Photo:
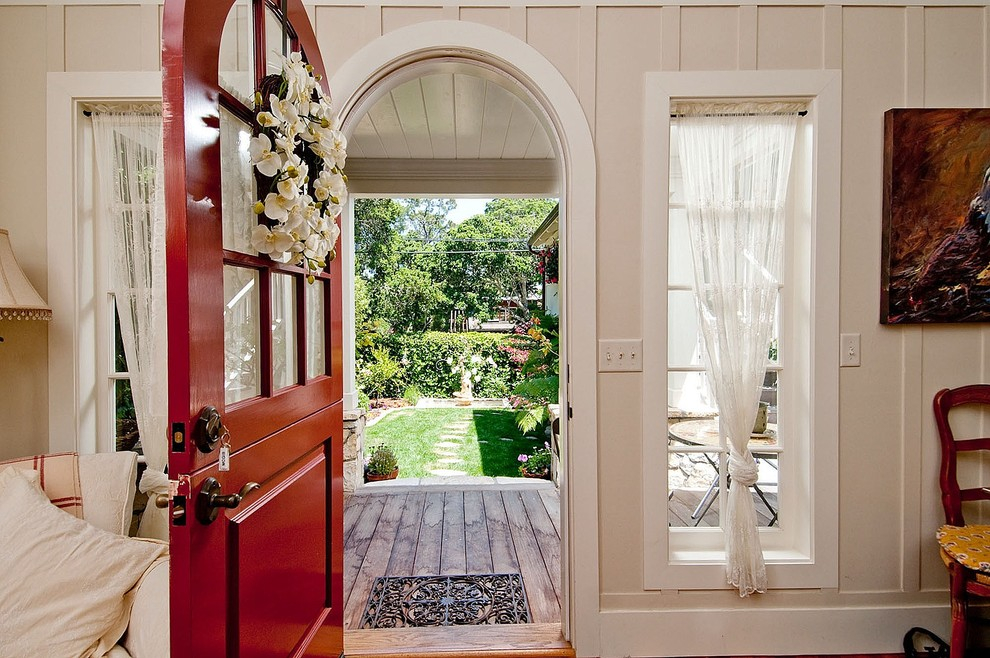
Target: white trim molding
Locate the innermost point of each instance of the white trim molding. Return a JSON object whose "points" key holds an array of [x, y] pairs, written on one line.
{"points": [[73, 415], [390, 59]]}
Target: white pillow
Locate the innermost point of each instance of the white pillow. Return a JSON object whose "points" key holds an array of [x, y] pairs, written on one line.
{"points": [[62, 581]]}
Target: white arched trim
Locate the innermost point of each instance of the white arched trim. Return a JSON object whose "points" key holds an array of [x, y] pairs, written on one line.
{"points": [[382, 63]]}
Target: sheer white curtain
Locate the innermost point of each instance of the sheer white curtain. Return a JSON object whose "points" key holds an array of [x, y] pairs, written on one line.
{"points": [[129, 168], [736, 161]]}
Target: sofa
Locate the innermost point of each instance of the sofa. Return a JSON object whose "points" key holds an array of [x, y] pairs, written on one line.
{"points": [[57, 579]]}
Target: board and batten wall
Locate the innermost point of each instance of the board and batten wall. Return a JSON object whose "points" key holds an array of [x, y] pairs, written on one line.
{"points": [[889, 55]]}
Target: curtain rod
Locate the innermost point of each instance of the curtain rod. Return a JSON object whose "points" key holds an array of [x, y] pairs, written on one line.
{"points": [[741, 114], [141, 109]]}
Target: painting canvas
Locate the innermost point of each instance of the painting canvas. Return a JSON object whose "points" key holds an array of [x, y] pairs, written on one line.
{"points": [[936, 238]]}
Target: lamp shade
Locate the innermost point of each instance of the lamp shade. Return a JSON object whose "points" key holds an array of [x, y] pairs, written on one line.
{"points": [[18, 298]]}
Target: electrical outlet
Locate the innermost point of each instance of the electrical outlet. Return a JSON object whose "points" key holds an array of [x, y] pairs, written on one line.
{"points": [[848, 350], [620, 355]]}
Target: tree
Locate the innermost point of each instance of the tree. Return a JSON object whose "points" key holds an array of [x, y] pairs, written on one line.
{"points": [[377, 223], [485, 259], [411, 301], [426, 219]]}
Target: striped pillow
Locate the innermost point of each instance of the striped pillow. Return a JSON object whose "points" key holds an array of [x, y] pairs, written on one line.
{"points": [[59, 476]]}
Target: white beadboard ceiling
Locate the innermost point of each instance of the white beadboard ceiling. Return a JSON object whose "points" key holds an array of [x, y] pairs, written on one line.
{"points": [[454, 129]]}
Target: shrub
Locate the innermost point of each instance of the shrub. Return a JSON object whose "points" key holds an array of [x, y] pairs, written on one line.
{"points": [[382, 376], [411, 394], [364, 402], [431, 360]]}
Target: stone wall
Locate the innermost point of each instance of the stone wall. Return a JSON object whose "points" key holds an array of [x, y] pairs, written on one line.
{"points": [[354, 423]]}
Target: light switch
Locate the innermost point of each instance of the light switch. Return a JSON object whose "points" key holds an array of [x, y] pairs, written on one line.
{"points": [[620, 355], [849, 350]]}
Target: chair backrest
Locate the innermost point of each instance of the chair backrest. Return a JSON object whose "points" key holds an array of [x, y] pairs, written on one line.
{"points": [[952, 495]]}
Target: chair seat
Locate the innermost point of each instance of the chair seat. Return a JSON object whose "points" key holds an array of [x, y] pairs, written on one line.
{"points": [[969, 546]]}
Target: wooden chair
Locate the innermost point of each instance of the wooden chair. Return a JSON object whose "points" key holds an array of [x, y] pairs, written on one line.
{"points": [[964, 549]]}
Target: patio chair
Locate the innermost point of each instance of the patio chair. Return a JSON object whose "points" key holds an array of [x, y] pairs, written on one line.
{"points": [[965, 549]]}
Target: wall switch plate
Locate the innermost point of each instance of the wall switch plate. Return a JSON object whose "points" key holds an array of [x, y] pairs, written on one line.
{"points": [[848, 350], [620, 355]]}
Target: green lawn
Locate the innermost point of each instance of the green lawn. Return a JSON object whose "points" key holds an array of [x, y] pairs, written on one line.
{"points": [[472, 441]]}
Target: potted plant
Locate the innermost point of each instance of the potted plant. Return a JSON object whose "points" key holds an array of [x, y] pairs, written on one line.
{"points": [[382, 464], [536, 465]]}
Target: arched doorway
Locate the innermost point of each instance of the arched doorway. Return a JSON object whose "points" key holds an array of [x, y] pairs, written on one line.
{"points": [[402, 55]]}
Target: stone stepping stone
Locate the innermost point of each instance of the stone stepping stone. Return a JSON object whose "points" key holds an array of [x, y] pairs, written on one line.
{"points": [[446, 444], [452, 437], [450, 460], [446, 472]]}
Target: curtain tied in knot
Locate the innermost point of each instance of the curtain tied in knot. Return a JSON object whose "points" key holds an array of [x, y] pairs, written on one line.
{"points": [[743, 469], [153, 481]]}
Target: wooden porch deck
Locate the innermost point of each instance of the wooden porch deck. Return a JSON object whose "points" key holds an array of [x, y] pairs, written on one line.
{"points": [[447, 530]]}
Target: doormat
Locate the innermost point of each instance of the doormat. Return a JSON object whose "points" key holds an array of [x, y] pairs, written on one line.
{"points": [[471, 599]]}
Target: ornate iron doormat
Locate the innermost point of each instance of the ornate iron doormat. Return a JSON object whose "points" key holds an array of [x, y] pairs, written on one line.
{"points": [[492, 598]]}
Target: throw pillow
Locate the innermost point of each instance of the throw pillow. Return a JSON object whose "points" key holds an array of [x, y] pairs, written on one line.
{"points": [[59, 474], [63, 582]]}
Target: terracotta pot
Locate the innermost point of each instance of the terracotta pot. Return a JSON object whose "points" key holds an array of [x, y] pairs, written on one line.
{"points": [[540, 475], [371, 477]]}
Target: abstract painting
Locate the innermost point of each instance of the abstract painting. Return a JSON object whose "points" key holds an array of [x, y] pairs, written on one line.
{"points": [[935, 263]]}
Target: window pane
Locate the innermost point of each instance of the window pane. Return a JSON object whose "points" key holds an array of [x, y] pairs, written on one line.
{"points": [[680, 267], [119, 357], [274, 50], [236, 70], [684, 342], [238, 189], [284, 351], [241, 333], [316, 338], [127, 435], [689, 395], [693, 483]]}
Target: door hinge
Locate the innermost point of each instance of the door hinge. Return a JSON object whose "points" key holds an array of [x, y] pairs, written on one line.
{"points": [[570, 412]]}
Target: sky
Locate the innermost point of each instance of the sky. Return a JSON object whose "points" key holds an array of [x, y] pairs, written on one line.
{"points": [[467, 208]]}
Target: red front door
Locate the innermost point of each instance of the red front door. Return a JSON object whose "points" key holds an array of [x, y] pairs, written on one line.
{"points": [[254, 362]]}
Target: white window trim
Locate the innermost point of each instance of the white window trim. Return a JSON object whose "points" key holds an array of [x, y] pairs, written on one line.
{"points": [[78, 361], [815, 563]]}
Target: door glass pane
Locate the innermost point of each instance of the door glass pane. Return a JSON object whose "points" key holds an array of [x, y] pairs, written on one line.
{"points": [[274, 50], [238, 189], [316, 338], [236, 71], [241, 333], [284, 351]]}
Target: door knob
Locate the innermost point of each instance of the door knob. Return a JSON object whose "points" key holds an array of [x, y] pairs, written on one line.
{"points": [[210, 499]]}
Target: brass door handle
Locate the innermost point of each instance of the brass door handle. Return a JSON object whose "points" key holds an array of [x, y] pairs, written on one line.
{"points": [[210, 499]]}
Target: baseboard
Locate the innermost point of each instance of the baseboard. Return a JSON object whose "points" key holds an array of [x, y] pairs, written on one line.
{"points": [[747, 632]]}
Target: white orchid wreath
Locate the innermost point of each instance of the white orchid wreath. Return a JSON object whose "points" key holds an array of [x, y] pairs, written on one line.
{"points": [[297, 132]]}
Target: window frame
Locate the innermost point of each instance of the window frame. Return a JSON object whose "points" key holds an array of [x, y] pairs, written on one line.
{"points": [[801, 555]]}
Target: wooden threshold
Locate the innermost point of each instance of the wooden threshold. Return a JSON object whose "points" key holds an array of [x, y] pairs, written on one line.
{"points": [[490, 641]]}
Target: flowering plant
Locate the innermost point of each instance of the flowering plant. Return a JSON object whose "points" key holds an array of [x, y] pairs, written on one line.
{"points": [[536, 464], [549, 263], [298, 135]]}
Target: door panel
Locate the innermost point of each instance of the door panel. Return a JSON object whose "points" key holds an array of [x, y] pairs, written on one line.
{"points": [[277, 579], [264, 578]]}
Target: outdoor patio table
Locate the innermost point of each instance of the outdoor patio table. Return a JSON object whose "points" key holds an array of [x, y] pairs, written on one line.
{"points": [[704, 433]]}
